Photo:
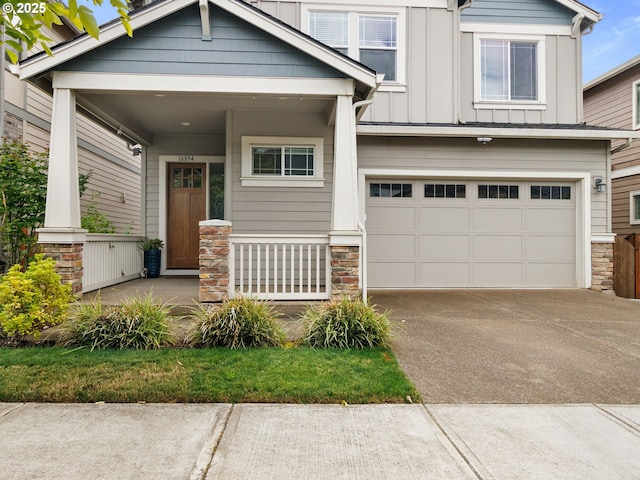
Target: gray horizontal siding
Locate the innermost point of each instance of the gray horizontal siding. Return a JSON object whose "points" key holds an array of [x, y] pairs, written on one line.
{"points": [[547, 12], [502, 154], [281, 209], [174, 45]]}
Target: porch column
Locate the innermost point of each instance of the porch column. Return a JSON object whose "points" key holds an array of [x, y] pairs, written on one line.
{"points": [[62, 237], [345, 238], [214, 260], [602, 263]]}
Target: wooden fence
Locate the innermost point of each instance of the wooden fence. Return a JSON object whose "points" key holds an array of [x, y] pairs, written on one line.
{"points": [[626, 266]]}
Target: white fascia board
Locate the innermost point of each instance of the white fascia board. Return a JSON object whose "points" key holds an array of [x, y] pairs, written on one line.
{"points": [[451, 131], [577, 7], [511, 29], [197, 84], [299, 41], [109, 33]]}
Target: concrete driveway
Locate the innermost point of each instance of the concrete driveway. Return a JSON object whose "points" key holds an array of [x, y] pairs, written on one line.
{"points": [[517, 346]]}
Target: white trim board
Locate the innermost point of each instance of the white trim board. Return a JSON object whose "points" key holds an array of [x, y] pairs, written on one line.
{"points": [[625, 172], [475, 131], [123, 82], [521, 29], [583, 200]]}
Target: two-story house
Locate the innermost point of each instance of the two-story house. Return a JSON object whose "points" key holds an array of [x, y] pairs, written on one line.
{"points": [[613, 100], [378, 143]]}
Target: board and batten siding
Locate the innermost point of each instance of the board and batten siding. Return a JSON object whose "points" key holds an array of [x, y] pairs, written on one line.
{"points": [[174, 45], [499, 155], [299, 210], [561, 69], [430, 90], [545, 12]]}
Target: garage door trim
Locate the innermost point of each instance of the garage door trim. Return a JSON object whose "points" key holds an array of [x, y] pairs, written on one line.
{"points": [[583, 199]]}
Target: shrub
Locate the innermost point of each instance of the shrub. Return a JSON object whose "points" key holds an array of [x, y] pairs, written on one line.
{"points": [[346, 323], [33, 299], [23, 190], [136, 323], [239, 322]]}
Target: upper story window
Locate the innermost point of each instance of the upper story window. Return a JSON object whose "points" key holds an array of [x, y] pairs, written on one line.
{"points": [[636, 105], [509, 71], [278, 161], [374, 38]]}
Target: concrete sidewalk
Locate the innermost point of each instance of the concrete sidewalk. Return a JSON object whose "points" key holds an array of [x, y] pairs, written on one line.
{"points": [[257, 441]]}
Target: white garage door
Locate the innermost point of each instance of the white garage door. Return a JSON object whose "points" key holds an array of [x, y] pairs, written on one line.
{"points": [[457, 233]]}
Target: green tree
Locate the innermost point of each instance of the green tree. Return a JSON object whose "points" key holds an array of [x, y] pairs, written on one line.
{"points": [[23, 191], [23, 22]]}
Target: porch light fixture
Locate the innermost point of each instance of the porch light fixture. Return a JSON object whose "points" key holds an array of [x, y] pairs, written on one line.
{"points": [[484, 140], [185, 124], [599, 184]]}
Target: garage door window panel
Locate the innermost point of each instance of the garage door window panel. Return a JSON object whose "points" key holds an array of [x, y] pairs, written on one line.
{"points": [[499, 191], [445, 190], [390, 190], [550, 192]]}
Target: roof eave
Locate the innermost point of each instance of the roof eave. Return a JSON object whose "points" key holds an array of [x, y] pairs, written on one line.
{"points": [[451, 131], [614, 72]]}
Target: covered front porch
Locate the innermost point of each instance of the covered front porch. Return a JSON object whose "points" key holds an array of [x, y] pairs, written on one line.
{"points": [[266, 149]]}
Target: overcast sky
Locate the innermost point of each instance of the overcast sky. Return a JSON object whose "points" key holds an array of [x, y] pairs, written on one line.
{"points": [[613, 41]]}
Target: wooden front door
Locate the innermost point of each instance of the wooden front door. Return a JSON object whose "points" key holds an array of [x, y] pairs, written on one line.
{"points": [[186, 207]]}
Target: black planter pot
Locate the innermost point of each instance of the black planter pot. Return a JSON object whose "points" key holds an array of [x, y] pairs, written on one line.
{"points": [[152, 263]]}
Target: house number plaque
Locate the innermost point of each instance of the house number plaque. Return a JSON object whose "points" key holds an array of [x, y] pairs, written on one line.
{"points": [[185, 158]]}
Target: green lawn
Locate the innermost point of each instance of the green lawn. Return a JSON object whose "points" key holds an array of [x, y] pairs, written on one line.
{"points": [[280, 375]]}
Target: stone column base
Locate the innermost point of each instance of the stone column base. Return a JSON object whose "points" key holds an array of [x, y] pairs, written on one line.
{"points": [[214, 260], [68, 257], [602, 267], [345, 271]]}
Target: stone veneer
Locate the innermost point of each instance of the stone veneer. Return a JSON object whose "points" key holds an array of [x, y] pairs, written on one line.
{"points": [[345, 271], [68, 257], [214, 260], [602, 267]]}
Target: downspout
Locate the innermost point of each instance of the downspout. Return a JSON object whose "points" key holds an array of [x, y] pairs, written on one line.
{"points": [[619, 148], [458, 59], [576, 34], [363, 253]]}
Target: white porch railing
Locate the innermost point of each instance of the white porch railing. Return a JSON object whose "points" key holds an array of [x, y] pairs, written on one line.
{"points": [[109, 260], [280, 267]]}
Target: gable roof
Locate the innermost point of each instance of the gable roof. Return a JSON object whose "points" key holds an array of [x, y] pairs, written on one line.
{"points": [[63, 52], [614, 72], [589, 16]]}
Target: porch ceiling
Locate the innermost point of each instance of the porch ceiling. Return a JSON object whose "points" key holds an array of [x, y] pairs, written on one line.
{"points": [[154, 114]]}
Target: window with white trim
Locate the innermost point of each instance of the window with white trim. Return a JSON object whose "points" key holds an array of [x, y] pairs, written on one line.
{"points": [[509, 71], [636, 105], [282, 161], [374, 37], [634, 207]]}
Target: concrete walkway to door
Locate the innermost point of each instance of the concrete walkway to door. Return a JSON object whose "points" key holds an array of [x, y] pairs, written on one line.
{"points": [[517, 346]]}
